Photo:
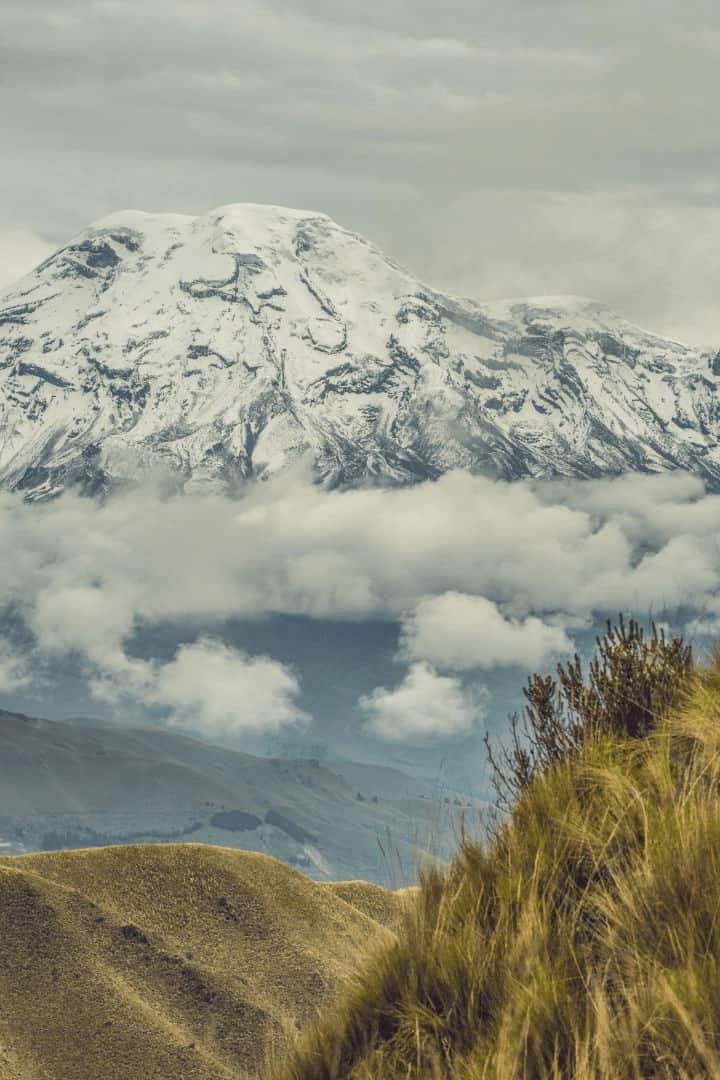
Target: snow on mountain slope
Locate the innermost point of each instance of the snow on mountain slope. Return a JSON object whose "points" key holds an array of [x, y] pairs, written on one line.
{"points": [[227, 346]]}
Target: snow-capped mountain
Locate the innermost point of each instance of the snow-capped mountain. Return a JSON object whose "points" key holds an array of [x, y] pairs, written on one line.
{"points": [[229, 345]]}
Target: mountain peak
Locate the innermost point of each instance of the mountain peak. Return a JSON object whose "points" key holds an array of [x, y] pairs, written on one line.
{"points": [[226, 346]]}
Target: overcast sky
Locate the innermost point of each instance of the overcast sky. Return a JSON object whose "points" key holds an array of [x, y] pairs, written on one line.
{"points": [[496, 147]]}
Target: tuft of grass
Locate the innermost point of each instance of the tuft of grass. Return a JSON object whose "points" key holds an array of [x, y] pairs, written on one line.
{"points": [[582, 939]]}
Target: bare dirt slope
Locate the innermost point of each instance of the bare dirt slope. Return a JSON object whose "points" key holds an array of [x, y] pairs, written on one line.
{"points": [[166, 961]]}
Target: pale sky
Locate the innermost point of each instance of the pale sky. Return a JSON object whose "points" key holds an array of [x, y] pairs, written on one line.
{"points": [[495, 147]]}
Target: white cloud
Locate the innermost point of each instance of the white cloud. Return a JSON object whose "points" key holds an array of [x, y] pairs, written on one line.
{"points": [[85, 618], [14, 669], [458, 632], [221, 691], [209, 687], [20, 252], [424, 706]]}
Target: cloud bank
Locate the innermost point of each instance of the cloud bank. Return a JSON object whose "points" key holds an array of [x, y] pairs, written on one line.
{"points": [[479, 574]]}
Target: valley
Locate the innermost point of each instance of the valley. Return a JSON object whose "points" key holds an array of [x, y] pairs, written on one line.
{"points": [[77, 785]]}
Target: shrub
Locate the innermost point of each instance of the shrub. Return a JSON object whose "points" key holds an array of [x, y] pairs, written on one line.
{"points": [[634, 679]]}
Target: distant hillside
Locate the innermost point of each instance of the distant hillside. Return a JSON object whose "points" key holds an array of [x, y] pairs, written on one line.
{"points": [[168, 961], [65, 785]]}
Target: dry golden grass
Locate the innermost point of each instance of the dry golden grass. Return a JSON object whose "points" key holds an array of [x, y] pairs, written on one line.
{"points": [[178, 961], [582, 941], [380, 905]]}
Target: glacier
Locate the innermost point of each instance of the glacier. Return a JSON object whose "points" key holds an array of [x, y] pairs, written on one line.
{"points": [[215, 349]]}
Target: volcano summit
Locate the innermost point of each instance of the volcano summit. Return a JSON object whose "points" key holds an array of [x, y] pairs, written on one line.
{"points": [[228, 346]]}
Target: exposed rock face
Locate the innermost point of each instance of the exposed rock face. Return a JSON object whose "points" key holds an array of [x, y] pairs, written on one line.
{"points": [[228, 346]]}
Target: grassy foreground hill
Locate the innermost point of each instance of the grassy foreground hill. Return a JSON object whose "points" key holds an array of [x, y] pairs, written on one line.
{"points": [[583, 939], [169, 961]]}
